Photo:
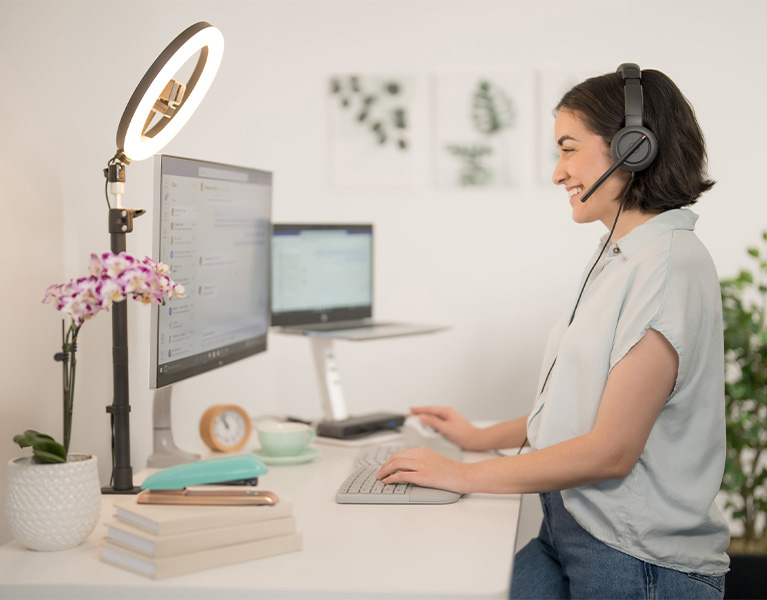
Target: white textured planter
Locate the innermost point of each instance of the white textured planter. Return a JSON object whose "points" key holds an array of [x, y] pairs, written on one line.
{"points": [[53, 506]]}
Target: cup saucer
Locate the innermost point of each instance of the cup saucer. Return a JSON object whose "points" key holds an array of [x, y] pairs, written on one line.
{"points": [[306, 456]]}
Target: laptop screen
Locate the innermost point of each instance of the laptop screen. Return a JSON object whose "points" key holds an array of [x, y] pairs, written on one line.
{"points": [[321, 273]]}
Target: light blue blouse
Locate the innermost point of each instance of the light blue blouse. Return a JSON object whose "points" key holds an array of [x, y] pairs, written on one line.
{"points": [[661, 277]]}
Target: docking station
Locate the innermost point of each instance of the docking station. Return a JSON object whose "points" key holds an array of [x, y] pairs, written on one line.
{"points": [[355, 427]]}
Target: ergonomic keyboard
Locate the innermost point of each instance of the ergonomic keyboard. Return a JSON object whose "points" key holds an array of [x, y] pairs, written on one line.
{"points": [[362, 487], [377, 455]]}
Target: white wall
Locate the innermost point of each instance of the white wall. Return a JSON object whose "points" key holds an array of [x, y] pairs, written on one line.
{"points": [[497, 266]]}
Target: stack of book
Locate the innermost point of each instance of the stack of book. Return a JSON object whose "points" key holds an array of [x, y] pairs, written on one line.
{"points": [[160, 541]]}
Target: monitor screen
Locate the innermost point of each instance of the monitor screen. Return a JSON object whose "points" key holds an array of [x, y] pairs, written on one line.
{"points": [[321, 273], [212, 226]]}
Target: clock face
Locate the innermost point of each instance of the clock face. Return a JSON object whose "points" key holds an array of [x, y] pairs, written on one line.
{"points": [[225, 427], [229, 427]]}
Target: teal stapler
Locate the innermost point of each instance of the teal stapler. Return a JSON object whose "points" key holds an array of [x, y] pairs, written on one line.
{"points": [[226, 480]]}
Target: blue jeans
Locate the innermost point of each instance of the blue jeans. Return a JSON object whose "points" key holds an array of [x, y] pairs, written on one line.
{"points": [[565, 561]]}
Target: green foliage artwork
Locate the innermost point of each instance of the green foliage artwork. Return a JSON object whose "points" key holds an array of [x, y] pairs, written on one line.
{"points": [[377, 108], [473, 171], [492, 112]]}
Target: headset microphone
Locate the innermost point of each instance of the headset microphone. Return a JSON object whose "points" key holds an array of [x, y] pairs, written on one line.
{"points": [[633, 148]]}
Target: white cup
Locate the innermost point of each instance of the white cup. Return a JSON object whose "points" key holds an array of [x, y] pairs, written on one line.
{"points": [[284, 439]]}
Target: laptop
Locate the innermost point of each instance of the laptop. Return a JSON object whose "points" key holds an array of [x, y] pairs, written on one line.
{"points": [[322, 283]]}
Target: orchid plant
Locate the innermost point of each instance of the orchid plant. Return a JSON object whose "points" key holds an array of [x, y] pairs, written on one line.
{"points": [[112, 278]]}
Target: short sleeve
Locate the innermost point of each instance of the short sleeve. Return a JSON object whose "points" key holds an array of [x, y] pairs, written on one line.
{"points": [[676, 292], [643, 303]]}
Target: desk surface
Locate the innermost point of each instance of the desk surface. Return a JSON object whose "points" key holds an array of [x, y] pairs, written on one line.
{"points": [[350, 551]]}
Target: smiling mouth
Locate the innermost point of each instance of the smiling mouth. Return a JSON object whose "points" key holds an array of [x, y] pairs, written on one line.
{"points": [[576, 190]]}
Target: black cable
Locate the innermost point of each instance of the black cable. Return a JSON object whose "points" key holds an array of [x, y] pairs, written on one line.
{"points": [[106, 193], [601, 252], [112, 161], [583, 288]]}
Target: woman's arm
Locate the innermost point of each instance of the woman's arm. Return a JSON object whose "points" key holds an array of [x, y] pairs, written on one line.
{"points": [[636, 391], [455, 427]]}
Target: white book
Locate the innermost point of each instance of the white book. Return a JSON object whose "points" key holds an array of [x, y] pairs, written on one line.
{"points": [[152, 545], [190, 562], [161, 519]]}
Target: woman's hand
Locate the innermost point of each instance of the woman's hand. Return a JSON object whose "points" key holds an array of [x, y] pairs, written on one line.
{"points": [[426, 468], [451, 424]]}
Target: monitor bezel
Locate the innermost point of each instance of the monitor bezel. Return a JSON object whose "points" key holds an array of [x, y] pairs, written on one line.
{"points": [[330, 315]]}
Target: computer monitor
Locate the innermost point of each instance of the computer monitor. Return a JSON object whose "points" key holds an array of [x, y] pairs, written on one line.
{"points": [[321, 273], [212, 226]]}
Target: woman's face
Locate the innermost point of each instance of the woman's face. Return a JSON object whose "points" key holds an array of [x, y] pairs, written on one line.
{"points": [[583, 158]]}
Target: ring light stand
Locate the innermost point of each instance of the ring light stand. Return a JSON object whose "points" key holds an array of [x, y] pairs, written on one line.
{"points": [[158, 109]]}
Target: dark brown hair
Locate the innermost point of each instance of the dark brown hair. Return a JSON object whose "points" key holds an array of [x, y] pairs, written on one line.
{"points": [[678, 176]]}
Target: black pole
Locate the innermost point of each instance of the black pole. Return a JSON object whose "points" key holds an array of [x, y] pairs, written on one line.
{"points": [[120, 223]]}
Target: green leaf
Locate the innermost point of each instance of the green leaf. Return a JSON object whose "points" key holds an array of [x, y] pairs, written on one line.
{"points": [[29, 437], [44, 457], [746, 276], [50, 447], [753, 252], [44, 448]]}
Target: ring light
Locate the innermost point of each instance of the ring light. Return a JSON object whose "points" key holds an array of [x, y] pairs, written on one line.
{"points": [[159, 93]]}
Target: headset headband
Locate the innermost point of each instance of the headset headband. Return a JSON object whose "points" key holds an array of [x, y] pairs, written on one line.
{"points": [[632, 77]]}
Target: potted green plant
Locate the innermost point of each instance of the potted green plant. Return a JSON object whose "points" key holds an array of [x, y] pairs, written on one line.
{"points": [[744, 304], [54, 497]]}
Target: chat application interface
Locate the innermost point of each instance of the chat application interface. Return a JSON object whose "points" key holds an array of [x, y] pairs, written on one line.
{"points": [[321, 269], [215, 238]]}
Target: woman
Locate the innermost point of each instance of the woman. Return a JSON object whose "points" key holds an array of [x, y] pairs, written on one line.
{"points": [[627, 432]]}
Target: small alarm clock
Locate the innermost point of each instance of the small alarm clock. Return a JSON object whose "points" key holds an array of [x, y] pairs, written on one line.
{"points": [[225, 427]]}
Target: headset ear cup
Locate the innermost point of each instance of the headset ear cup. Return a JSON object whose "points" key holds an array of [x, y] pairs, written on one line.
{"points": [[643, 155]]}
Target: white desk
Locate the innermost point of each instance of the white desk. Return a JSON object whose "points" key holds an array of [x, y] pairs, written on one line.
{"points": [[350, 551]]}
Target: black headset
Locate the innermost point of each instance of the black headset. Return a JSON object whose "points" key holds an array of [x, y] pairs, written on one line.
{"points": [[633, 130], [634, 147]]}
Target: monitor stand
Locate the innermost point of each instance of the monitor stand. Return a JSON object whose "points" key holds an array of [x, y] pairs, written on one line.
{"points": [[166, 453], [333, 402], [337, 423]]}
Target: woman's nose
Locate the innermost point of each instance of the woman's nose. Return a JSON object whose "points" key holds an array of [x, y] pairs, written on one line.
{"points": [[560, 172]]}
